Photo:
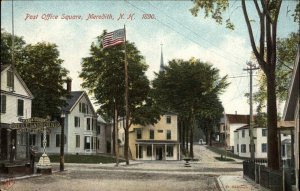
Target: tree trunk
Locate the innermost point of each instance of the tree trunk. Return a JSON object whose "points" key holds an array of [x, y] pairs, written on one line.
{"points": [[206, 136], [272, 123], [126, 146], [114, 135], [192, 142], [187, 140], [182, 134]]}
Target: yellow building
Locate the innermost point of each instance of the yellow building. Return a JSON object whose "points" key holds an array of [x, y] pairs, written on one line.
{"points": [[155, 142]]}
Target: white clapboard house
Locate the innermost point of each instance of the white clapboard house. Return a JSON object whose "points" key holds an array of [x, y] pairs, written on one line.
{"points": [[15, 103], [80, 128]]}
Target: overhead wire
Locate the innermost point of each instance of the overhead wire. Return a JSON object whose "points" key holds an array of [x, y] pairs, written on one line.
{"points": [[166, 25]]}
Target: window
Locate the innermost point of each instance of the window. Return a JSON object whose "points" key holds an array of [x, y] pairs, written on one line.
{"points": [[82, 107], [160, 131], [92, 141], [283, 150], [243, 148], [87, 142], [77, 121], [250, 147], [169, 150], [168, 134], [237, 148], [264, 148], [264, 132], [151, 134], [47, 139], [32, 139], [20, 107], [138, 133], [77, 141], [88, 124], [58, 139], [10, 79], [3, 104], [243, 133], [168, 119], [149, 151]]}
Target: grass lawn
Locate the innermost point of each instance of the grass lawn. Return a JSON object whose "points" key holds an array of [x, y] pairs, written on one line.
{"points": [[82, 159], [221, 151], [224, 159]]}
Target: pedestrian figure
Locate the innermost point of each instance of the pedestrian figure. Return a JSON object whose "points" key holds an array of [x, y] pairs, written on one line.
{"points": [[12, 151], [32, 158]]}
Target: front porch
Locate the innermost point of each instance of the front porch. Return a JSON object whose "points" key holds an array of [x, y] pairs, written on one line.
{"points": [[157, 150]]}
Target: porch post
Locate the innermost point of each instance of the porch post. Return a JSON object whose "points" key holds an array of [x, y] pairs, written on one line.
{"points": [[292, 149], [138, 148], [151, 151], [165, 151], [279, 149], [178, 152]]}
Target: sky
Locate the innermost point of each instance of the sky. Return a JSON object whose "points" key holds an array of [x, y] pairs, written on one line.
{"points": [[183, 36]]}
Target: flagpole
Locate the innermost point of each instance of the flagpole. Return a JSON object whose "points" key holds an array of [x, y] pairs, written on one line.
{"points": [[13, 36], [126, 98]]}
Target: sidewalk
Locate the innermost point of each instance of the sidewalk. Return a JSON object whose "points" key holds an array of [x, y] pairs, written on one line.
{"points": [[237, 183]]}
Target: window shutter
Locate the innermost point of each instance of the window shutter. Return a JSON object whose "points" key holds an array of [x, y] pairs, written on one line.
{"points": [[3, 103]]}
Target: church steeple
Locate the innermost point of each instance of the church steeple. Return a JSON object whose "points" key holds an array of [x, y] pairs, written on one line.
{"points": [[161, 68]]}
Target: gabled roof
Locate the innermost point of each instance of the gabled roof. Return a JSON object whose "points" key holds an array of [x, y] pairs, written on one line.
{"points": [[246, 127], [100, 119], [75, 96], [6, 67], [234, 118], [293, 95]]}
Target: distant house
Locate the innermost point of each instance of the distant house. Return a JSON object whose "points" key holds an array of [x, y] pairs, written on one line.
{"points": [[80, 128], [155, 142], [231, 123], [104, 136], [242, 143], [16, 101], [291, 116]]}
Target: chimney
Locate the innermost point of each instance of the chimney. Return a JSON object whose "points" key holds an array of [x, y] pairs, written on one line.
{"points": [[236, 112], [69, 85]]}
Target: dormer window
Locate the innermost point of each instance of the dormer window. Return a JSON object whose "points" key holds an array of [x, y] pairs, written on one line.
{"points": [[168, 119], [83, 108], [10, 79]]}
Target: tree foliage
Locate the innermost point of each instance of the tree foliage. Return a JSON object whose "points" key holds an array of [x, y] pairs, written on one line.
{"points": [[190, 89], [103, 74], [41, 69]]}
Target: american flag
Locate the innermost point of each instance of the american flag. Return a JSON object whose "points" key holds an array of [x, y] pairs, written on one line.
{"points": [[113, 38]]}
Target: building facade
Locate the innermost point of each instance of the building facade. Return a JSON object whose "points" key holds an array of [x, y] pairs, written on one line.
{"points": [[231, 123], [291, 116], [155, 142], [16, 101], [80, 122]]}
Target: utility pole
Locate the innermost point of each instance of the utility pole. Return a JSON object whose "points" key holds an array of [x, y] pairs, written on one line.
{"points": [[252, 147]]}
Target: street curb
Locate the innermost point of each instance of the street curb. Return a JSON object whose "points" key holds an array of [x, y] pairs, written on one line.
{"points": [[20, 178], [221, 186]]}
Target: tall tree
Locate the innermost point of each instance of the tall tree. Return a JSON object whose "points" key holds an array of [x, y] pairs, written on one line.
{"points": [[183, 88], [41, 69], [103, 75], [265, 54]]}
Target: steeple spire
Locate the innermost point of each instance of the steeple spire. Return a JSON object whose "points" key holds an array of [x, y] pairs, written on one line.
{"points": [[161, 68]]}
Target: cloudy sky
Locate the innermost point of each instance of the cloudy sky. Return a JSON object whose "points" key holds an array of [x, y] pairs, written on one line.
{"points": [[182, 35]]}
